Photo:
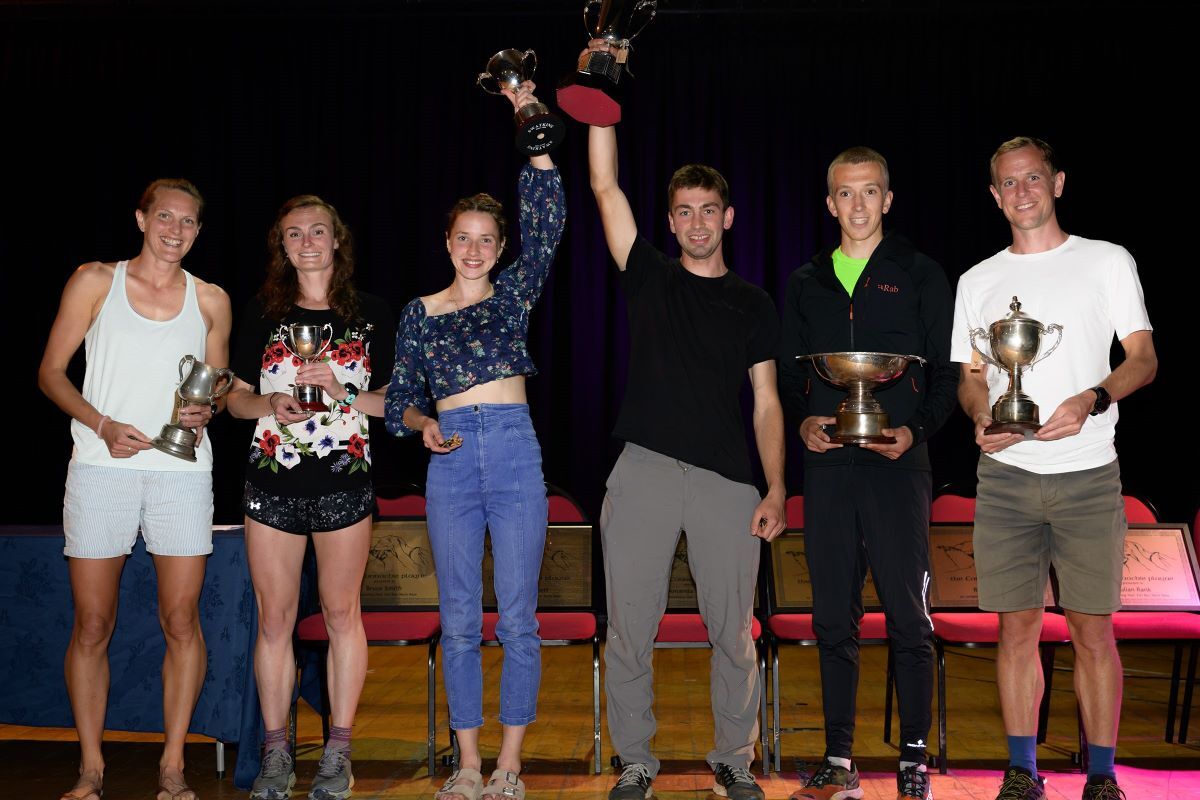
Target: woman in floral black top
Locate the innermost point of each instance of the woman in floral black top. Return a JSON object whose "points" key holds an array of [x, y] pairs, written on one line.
{"points": [[309, 473], [463, 352]]}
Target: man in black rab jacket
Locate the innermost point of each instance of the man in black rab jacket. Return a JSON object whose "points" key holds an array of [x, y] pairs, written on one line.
{"points": [[869, 504]]}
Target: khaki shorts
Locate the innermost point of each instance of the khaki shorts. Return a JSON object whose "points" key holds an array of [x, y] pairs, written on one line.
{"points": [[1024, 522]]}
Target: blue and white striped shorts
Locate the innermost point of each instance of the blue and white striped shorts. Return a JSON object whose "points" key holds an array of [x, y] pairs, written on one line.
{"points": [[104, 507]]}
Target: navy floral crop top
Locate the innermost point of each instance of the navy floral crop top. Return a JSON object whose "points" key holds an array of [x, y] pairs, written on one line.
{"points": [[449, 353]]}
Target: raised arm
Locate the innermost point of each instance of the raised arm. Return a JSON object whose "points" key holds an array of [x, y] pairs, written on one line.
{"points": [[620, 229]]}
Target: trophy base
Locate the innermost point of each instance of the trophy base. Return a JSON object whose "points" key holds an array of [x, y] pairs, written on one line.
{"points": [[176, 441], [538, 130], [1026, 429], [590, 105], [857, 427]]}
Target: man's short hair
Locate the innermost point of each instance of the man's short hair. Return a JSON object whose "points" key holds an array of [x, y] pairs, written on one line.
{"points": [[698, 176], [1018, 142], [179, 185], [858, 155]]}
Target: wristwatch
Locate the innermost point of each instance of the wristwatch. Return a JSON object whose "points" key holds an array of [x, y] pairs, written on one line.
{"points": [[1103, 399], [351, 397]]}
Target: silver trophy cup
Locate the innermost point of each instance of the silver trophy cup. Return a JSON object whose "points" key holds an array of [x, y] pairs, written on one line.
{"points": [[197, 387], [307, 343], [860, 417], [589, 94], [538, 130], [1014, 343]]}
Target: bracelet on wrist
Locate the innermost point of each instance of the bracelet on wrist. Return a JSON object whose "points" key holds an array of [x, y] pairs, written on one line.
{"points": [[100, 425]]}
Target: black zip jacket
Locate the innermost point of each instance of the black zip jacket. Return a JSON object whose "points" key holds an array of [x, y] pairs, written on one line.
{"points": [[901, 304]]}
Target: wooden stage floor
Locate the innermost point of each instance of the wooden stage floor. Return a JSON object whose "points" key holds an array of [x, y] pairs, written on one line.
{"points": [[389, 734]]}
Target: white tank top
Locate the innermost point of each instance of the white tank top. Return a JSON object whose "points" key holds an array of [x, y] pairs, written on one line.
{"points": [[133, 372]]}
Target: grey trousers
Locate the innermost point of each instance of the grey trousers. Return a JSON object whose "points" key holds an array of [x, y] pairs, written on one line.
{"points": [[650, 499]]}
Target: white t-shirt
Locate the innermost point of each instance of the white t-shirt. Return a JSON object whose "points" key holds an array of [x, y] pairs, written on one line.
{"points": [[1089, 287]]}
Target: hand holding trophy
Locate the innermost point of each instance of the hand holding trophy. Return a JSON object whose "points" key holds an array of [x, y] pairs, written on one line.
{"points": [[307, 343], [538, 129], [588, 95], [197, 386]]}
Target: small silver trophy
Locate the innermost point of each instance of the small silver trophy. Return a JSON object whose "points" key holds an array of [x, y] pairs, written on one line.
{"points": [[538, 130], [1014, 343], [307, 343], [860, 417], [197, 387], [588, 95]]}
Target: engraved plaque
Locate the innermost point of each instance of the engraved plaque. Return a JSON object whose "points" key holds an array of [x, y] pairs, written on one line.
{"points": [[400, 566], [793, 586], [566, 577], [1160, 569], [953, 582]]}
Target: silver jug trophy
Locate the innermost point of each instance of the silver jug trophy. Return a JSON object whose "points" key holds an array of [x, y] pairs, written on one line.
{"points": [[197, 387]]}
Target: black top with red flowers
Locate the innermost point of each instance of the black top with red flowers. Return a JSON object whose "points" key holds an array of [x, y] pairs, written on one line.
{"points": [[331, 451]]}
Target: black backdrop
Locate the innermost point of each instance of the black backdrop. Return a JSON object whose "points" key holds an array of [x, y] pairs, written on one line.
{"points": [[372, 106]]}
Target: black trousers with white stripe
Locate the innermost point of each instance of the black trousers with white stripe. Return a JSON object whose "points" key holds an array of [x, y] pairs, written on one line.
{"points": [[855, 515]]}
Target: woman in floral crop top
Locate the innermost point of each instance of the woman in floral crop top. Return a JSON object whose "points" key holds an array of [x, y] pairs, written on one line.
{"points": [[462, 351], [309, 473]]}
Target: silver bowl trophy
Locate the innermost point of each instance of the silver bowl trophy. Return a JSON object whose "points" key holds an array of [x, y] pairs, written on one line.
{"points": [[197, 387], [538, 130], [1014, 343], [307, 343], [588, 94], [860, 418]]}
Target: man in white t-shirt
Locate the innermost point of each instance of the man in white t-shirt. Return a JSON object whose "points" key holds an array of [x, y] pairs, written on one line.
{"points": [[1055, 496]]}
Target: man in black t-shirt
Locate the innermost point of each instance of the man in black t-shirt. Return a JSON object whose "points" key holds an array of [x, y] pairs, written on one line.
{"points": [[697, 329]]}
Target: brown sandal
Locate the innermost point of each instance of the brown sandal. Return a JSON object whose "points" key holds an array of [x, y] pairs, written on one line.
{"points": [[504, 785], [174, 787], [463, 784]]}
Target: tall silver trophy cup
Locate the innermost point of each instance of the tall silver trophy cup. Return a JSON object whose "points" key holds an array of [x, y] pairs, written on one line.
{"points": [[589, 94], [307, 343], [197, 387], [538, 129], [1014, 343], [860, 417]]}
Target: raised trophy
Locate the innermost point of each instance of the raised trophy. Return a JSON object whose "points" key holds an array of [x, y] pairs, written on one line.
{"points": [[587, 94], [538, 130], [1014, 343], [197, 387], [860, 418], [307, 343]]}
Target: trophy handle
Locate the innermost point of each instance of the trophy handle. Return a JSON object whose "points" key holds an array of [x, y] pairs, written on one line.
{"points": [[228, 375], [528, 65], [592, 26], [327, 342], [1055, 328], [190, 360], [981, 332], [283, 339], [917, 358], [641, 8], [486, 81]]}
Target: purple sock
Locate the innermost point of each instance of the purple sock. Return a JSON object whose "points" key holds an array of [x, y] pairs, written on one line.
{"points": [[276, 740], [339, 739]]}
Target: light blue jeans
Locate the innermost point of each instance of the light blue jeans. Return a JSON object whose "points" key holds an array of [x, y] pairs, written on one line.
{"points": [[492, 482]]}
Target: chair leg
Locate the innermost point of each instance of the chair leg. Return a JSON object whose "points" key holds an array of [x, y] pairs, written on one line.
{"points": [[775, 700], [1186, 713], [1047, 655], [431, 707], [762, 707], [1173, 694], [596, 700], [220, 759], [326, 706], [887, 700], [943, 759]]}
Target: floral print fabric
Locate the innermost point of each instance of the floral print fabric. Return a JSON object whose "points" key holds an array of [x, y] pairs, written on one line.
{"points": [[449, 353]]}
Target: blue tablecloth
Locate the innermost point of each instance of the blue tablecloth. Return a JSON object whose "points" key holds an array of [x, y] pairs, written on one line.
{"points": [[36, 616]]}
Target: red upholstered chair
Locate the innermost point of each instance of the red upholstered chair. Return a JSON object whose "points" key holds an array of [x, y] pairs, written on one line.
{"points": [[562, 622], [683, 627], [392, 626], [791, 622]]}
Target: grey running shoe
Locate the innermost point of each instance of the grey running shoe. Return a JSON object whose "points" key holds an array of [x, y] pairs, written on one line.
{"points": [[1019, 784], [735, 783], [333, 781], [634, 783], [275, 778], [831, 782]]}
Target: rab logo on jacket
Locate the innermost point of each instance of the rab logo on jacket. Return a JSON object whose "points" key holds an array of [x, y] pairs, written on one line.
{"points": [[887, 287]]}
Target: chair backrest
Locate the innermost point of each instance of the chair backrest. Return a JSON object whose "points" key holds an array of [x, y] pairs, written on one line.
{"points": [[563, 507], [1139, 509], [952, 508], [409, 505], [795, 512]]}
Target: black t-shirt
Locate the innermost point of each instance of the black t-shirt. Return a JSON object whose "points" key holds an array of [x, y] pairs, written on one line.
{"points": [[331, 451], [692, 341]]}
